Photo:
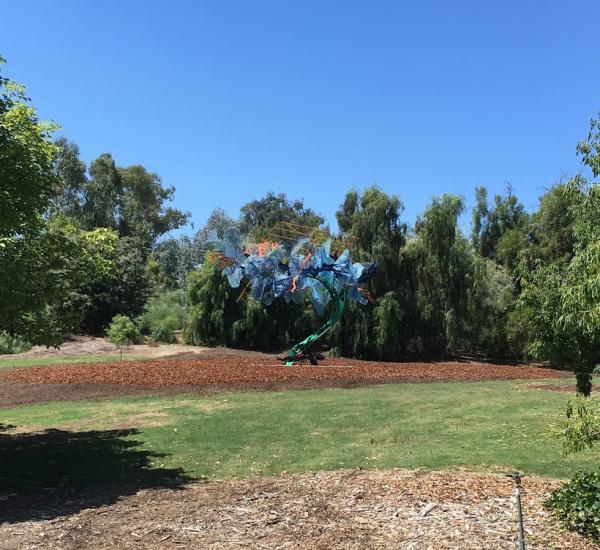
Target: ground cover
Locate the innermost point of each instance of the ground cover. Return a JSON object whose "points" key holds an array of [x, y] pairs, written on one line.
{"points": [[242, 369], [488, 426], [347, 509]]}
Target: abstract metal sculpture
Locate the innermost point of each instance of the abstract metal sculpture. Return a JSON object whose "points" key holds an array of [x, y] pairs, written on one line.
{"points": [[291, 272]]}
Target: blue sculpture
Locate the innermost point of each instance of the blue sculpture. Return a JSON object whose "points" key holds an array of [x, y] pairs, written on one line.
{"points": [[277, 271]]}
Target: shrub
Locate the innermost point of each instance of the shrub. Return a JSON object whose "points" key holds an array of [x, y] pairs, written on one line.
{"points": [[123, 331], [577, 504], [162, 331], [164, 309], [12, 344]]}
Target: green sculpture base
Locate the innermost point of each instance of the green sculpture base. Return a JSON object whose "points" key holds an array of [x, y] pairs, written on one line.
{"points": [[301, 350]]}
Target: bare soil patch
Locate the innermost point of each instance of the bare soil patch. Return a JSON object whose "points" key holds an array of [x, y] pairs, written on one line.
{"points": [[95, 345], [559, 387], [344, 509]]}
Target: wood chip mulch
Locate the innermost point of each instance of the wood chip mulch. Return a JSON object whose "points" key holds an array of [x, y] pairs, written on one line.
{"points": [[347, 509], [240, 370]]}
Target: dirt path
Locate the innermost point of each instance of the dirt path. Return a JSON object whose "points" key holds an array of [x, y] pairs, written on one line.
{"points": [[78, 346], [343, 509]]}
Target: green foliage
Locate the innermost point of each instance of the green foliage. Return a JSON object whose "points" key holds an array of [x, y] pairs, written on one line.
{"points": [[172, 259], [590, 149], [388, 316], [258, 217], [498, 231], [582, 428], [577, 504], [166, 307], [551, 238], [162, 331], [163, 314], [372, 223], [123, 331], [71, 173], [10, 344], [142, 214], [256, 328], [27, 180], [122, 289], [212, 309], [490, 297]]}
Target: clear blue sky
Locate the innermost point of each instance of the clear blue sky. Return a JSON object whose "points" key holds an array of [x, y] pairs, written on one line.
{"points": [[228, 100]]}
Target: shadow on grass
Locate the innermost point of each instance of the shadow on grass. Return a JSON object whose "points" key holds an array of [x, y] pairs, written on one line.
{"points": [[56, 473]]}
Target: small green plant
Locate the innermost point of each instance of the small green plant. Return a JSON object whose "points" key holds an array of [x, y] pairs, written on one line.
{"points": [[163, 332], [12, 344], [577, 504], [123, 331], [582, 427], [164, 314]]}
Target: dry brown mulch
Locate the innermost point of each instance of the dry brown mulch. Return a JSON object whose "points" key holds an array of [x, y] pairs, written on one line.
{"points": [[346, 509], [240, 370]]}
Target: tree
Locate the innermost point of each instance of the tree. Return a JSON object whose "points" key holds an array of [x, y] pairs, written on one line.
{"points": [[371, 225], [565, 299], [172, 259], [27, 179], [71, 171], [102, 194], [142, 215], [129, 200], [123, 289], [38, 276], [490, 298], [212, 307], [499, 232], [551, 231], [122, 332], [259, 217], [388, 316]]}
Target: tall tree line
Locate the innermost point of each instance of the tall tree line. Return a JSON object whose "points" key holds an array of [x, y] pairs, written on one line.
{"points": [[80, 244]]}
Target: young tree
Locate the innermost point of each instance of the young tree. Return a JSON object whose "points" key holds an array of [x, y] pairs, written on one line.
{"points": [[122, 332]]}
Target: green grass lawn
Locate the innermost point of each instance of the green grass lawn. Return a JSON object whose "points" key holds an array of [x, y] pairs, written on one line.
{"points": [[6, 361], [489, 426]]}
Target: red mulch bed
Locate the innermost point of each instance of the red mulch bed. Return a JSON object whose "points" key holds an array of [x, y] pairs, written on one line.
{"points": [[240, 370]]}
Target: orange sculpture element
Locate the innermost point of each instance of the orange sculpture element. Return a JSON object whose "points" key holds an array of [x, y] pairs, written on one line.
{"points": [[294, 284], [218, 259], [365, 293], [261, 249], [306, 260]]}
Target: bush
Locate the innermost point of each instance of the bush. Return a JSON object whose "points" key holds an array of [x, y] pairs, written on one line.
{"points": [[162, 331], [577, 504], [12, 344], [123, 331], [164, 309]]}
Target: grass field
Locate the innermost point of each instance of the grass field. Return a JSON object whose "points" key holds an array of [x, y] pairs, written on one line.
{"points": [[40, 361], [488, 426]]}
